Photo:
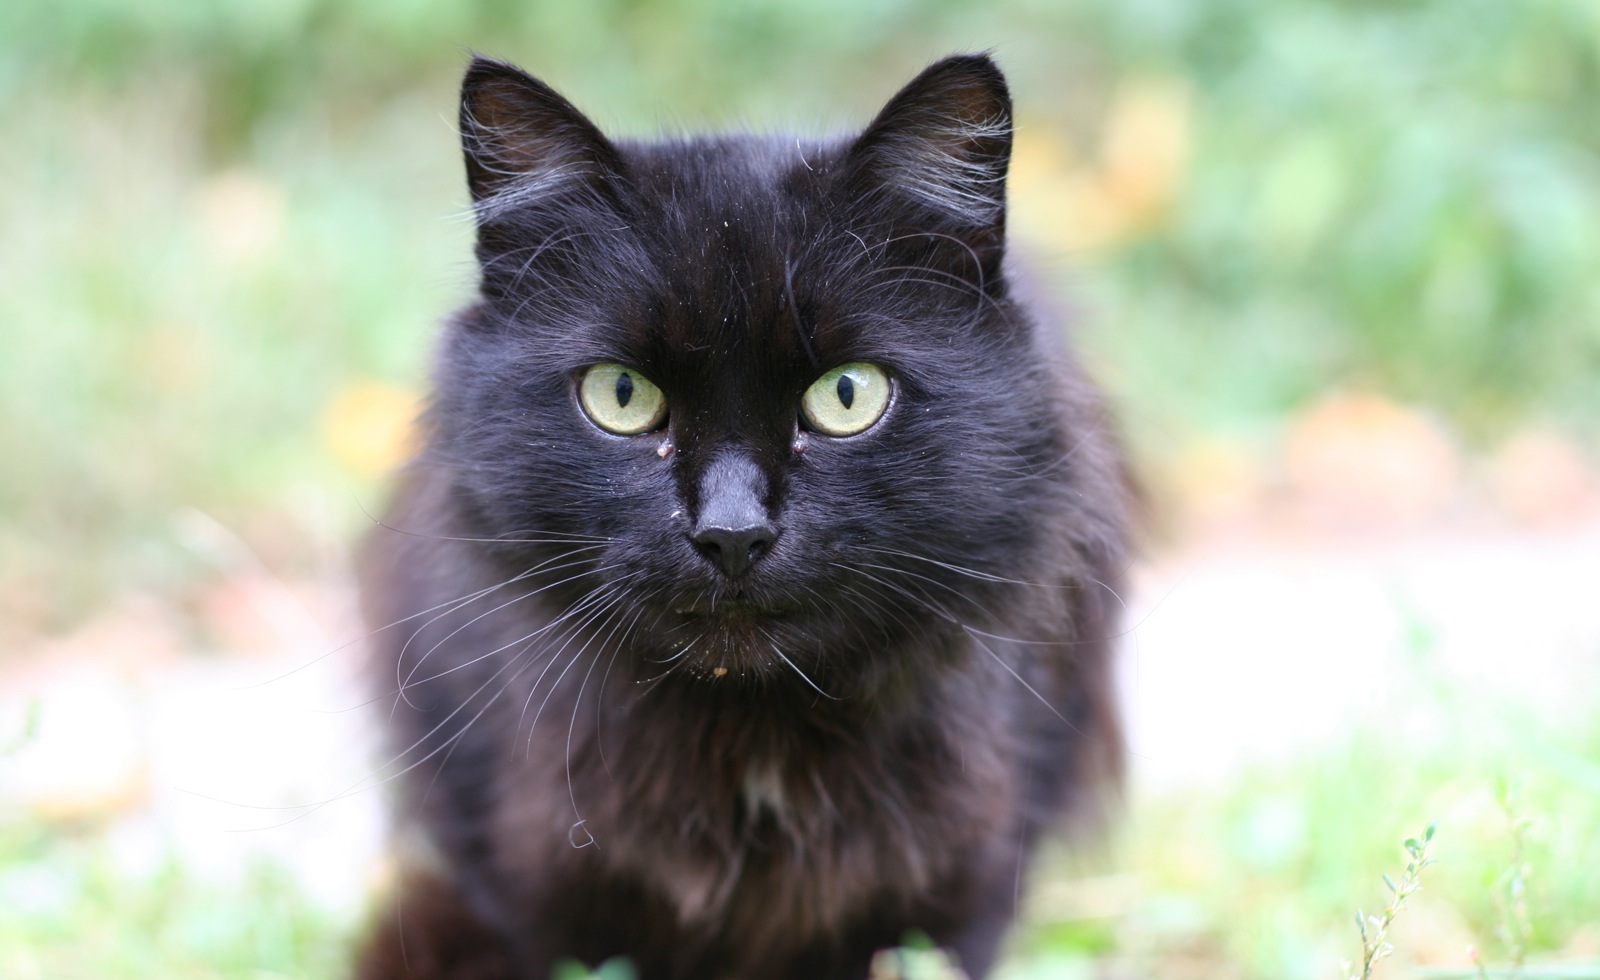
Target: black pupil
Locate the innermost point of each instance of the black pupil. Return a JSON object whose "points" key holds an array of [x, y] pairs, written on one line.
{"points": [[847, 390], [624, 389]]}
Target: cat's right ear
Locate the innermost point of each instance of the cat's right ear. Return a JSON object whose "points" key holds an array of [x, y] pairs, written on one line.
{"points": [[944, 144], [524, 142]]}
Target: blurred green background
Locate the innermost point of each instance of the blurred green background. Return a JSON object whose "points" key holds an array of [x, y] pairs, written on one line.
{"points": [[220, 216], [227, 231]]}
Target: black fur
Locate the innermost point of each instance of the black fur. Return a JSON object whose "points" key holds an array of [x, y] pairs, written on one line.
{"points": [[607, 743]]}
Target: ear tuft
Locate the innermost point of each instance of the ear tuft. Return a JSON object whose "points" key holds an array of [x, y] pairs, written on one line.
{"points": [[523, 141], [944, 141]]}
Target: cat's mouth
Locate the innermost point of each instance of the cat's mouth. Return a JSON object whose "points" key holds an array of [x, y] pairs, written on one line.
{"points": [[736, 607], [733, 633]]}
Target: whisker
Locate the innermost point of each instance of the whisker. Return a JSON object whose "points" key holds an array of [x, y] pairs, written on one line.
{"points": [[794, 667], [650, 683], [923, 601], [1012, 671], [577, 703], [405, 683], [455, 603], [973, 573], [576, 606], [608, 605], [547, 537], [378, 776]]}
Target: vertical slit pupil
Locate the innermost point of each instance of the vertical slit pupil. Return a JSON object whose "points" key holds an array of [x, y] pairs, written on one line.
{"points": [[847, 390], [624, 389]]}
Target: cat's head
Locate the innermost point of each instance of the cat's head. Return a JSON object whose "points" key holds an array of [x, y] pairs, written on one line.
{"points": [[756, 406]]}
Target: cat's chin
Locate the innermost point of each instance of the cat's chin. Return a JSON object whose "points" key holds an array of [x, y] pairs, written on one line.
{"points": [[739, 636]]}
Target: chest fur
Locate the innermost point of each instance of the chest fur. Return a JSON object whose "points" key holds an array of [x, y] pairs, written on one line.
{"points": [[742, 833]]}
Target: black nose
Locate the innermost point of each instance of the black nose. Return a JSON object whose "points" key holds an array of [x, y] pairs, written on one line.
{"points": [[734, 550], [734, 529]]}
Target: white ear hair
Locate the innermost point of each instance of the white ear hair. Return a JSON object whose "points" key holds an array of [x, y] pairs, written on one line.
{"points": [[522, 166], [524, 142], [940, 167], [944, 142]]}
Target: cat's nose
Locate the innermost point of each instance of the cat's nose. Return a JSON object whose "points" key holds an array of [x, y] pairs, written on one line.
{"points": [[733, 531], [732, 549]]}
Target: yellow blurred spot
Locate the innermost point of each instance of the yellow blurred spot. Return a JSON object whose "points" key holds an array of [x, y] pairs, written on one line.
{"points": [[369, 427], [1079, 203], [1146, 148], [1362, 460], [1218, 484], [240, 215], [174, 357]]}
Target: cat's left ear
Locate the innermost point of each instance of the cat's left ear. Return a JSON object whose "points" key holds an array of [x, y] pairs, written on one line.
{"points": [[523, 142], [943, 145]]}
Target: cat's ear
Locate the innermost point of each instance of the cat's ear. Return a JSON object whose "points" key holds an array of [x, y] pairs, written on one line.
{"points": [[523, 141], [943, 143]]}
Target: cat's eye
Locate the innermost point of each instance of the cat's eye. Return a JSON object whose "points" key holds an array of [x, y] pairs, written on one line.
{"points": [[847, 400], [621, 400]]}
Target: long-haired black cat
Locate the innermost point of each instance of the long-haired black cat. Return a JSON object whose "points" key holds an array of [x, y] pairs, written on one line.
{"points": [[750, 605]]}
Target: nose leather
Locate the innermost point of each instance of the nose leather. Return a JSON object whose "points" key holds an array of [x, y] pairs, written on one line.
{"points": [[733, 531]]}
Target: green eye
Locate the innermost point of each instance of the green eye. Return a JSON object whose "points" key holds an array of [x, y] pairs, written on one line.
{"points": [[620, 400], [846, 400]]}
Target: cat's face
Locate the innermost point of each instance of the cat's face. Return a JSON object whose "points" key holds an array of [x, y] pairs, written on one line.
{"points": [[750, 407]]}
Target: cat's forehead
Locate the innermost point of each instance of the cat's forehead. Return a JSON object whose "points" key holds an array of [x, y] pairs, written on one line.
{"points": [[725, 170], [732, 226], [729, 200]]}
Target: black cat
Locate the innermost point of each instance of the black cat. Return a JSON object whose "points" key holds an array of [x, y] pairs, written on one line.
{"points": [[750, 606]]}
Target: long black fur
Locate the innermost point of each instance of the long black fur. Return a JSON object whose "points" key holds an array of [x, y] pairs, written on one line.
{"points": [[605, 745]]}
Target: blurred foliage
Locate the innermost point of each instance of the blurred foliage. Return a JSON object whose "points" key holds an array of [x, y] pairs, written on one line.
{"points": [[79, 906], [218, 219]]}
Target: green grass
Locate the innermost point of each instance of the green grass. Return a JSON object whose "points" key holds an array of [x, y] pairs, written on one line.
{"points": [[1260, 878], [74, 908]]}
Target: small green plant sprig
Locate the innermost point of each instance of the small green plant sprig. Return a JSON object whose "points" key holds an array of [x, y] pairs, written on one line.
{"points": [[620, 968], [917, 959], [28, 733], [1375, 943], [1511, 888]]}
